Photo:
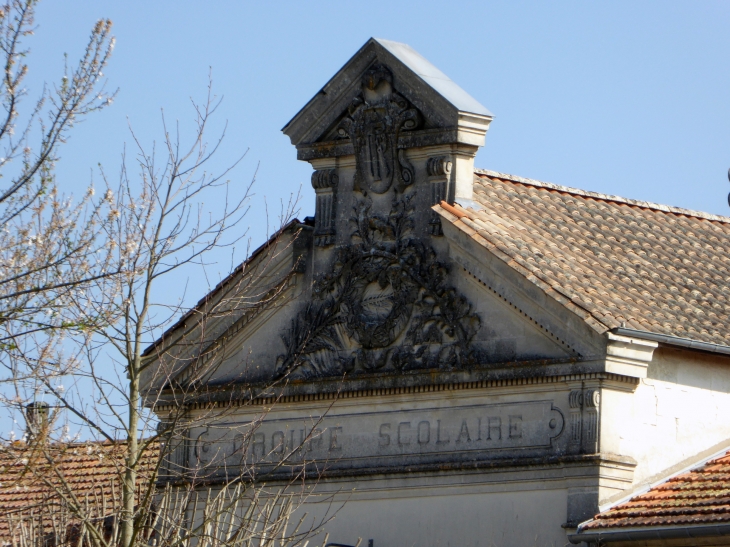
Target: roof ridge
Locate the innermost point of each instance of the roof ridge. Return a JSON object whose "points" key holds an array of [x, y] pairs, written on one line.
{"points": [[605, 197]]}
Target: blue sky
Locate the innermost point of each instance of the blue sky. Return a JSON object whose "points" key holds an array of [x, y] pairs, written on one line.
{"points": [[627, 98], [622, 97]]}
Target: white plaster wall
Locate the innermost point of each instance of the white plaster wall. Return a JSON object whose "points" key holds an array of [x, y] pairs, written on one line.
{"points": [[429, 517], [679, 410]]}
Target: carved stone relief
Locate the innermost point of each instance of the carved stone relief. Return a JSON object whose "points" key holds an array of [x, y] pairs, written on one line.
{"points": [[584, 406], [374, 122], [591, 401], [386, 303]]}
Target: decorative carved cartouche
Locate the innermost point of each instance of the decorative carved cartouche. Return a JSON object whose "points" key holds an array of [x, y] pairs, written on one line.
{"points": [[374, 122], [386, 303]]}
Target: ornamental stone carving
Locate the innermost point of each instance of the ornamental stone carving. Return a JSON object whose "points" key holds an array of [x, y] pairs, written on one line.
{"points": [[374, 122], [386, 305], [584, 407], [382, 300], [324, 183]]}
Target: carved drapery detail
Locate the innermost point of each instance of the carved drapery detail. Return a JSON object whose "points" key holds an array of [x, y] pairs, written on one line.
{"points": [[584, 406], [374, 122], [386, 305], [591, 400], [439, 173], [575, 400], [325, 183]]}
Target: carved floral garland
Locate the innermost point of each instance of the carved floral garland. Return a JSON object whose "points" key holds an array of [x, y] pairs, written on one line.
{"points": [[386, 306]]}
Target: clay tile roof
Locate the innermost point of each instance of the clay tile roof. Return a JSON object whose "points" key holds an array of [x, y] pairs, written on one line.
{"points": [[90, 469], [701, 496], [614, 261]]}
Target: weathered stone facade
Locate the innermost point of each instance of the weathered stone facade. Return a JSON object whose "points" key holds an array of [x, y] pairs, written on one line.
{"points": [[449, 398]]}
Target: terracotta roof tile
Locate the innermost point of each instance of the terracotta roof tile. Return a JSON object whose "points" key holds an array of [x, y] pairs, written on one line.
{"points": [[27, 479], [701, 496], [655, 268]]}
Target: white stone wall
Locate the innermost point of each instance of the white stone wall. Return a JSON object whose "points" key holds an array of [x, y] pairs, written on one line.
{"points": [[506, 515], [680, 410]]}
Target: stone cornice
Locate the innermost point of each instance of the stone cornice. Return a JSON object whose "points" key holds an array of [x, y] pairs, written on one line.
{"points": [[335, 389], [628, 356], [556, 466]]}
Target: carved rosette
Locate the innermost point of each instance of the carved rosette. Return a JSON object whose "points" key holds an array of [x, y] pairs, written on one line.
{"points": [[374, 123], [325, 183], [439, 175]]}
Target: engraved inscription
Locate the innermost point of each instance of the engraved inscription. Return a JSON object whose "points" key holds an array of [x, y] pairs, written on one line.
{"points": [[378, 435]]}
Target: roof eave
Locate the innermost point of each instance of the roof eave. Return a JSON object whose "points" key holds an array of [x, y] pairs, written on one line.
{"points": [[676, 531], [675, 341]]}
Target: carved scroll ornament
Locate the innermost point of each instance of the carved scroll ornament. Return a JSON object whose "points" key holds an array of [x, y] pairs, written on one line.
{"points": [[439, 174]]}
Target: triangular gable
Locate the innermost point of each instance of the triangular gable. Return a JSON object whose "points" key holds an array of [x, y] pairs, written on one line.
{"points": [[379, 292], [447, 113]]}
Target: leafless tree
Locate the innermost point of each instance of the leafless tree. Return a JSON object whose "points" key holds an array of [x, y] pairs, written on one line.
{"points": [[49, 246], [80, 300], [153, 230], [231, 517]]}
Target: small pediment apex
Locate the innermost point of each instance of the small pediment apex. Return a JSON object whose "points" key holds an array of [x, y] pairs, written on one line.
{"points": [[440, 101], [440, 82]]}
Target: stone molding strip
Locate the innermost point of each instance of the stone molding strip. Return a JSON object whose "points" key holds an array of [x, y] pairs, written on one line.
{"points": [[404, 390], [539, 463], [519, 310]]}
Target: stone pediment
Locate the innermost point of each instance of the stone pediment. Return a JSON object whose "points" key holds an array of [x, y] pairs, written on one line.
{"points": [[381, 292], [367, 336], [440, 111]]}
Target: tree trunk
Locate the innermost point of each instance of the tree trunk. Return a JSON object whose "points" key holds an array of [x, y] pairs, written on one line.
{"points": [[129, 485]]}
